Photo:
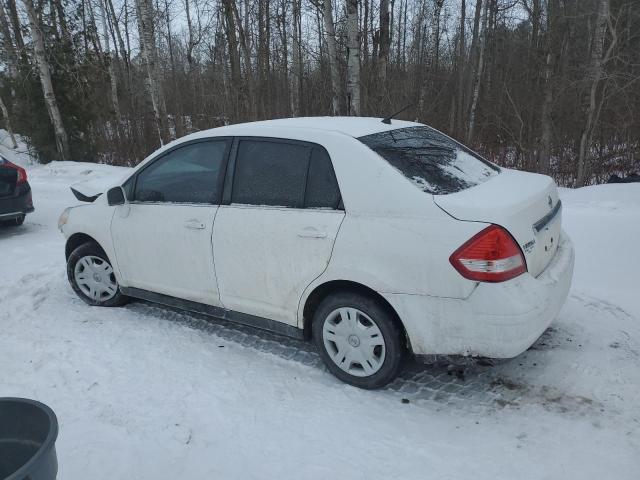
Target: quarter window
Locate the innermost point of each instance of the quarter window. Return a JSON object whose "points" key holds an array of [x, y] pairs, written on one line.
{"points": [[322, 187], [189, 174]]}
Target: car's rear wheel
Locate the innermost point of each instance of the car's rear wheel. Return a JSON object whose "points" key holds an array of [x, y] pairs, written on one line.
{"points": [[14, 222], [92, 278], [358, 339]]}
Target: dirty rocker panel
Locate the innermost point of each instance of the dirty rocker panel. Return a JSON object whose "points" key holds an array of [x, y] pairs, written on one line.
{"points": [[217, 312]]}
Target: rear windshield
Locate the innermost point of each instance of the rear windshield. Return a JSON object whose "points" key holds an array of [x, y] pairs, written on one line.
{"points": [[434, 162]]}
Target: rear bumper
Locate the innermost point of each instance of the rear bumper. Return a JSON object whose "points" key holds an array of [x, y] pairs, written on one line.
{"points": [[16, 205], [498, 320]]}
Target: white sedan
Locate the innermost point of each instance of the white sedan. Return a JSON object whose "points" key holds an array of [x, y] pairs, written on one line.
{"points": [[377, 240]]}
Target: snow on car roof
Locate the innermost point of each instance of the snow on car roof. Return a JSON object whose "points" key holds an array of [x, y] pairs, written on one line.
{"points": [[352, 126]]}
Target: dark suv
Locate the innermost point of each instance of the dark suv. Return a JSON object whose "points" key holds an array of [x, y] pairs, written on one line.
{"points": [[15, 193]]}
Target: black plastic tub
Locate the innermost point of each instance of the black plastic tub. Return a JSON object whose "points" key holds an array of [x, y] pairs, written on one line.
{"points": [[28, 432]]}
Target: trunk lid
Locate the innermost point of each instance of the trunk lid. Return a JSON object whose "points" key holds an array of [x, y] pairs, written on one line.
{"points": [[526, 204]]}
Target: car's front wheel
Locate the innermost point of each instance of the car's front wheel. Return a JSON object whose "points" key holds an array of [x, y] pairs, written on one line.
{"points": [[91, 276], [358, 339]]}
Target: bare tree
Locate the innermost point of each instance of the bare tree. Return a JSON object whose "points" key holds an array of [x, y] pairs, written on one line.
{"points": [[383, 40], [353, 58], [432, 55], [7, 43], [595, 76], [62, 140], [296, 71], [7, 123], [330, 35], [510, 85], [144, 9], [477, 75], [459, 105], [544, 152]]}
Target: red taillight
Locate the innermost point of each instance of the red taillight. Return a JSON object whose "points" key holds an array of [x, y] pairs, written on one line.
{"points": [[491, 255], [22, 173]]}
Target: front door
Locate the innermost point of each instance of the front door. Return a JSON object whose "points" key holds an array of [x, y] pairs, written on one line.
{"points": [[162, 236], [277, 234]]}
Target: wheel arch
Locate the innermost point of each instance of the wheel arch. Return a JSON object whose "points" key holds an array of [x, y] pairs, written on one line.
{"points": [[77, 239], [322, 291]]}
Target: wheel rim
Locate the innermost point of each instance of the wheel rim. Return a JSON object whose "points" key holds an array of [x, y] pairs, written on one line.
{"points": [[94, 277], [354, 342]]}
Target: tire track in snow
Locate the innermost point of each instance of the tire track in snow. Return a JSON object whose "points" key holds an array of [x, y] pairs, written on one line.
{"points": [[458, 383]]}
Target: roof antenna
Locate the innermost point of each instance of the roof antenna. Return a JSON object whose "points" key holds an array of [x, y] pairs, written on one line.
{"points": [[387, 120]]}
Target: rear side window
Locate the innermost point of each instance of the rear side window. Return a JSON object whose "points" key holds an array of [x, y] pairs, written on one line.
{"points": [[284, 174], [270, 173], [434, 162], [189, 174]]}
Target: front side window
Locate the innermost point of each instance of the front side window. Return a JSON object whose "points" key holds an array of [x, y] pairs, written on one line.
{"points": [[189, 174], [434, 162]]}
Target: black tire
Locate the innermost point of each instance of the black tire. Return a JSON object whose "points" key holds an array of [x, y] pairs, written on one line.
{"points": [[92, 249], [14, 222], [394, 341]]}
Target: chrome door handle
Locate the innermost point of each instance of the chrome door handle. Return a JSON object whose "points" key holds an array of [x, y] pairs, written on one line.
{"points": [[311, 232], [195, 225]]}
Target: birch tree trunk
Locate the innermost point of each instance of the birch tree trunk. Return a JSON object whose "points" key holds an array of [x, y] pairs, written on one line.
{"points": [[7, 123], [234, 55], [544, 152], [110, 61], [17, 32], [432, 56], [246, 55], [383, 49], [62, 140], [330, 31], [296, 63], [114, 22], [7, 42], [459, 116], [149, 52], [477, 77], [595, 73], [353, 59], [473, 61]]}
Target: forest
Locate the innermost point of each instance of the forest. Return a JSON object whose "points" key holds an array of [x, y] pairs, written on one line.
{"points": [[550, 86]]}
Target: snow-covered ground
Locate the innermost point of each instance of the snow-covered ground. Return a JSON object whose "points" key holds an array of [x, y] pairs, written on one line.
{"points": [[148, 393]]}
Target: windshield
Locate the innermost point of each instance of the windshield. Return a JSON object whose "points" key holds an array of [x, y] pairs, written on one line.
{"points": [[435, 163]]}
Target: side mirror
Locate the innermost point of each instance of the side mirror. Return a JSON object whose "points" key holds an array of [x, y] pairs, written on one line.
{"points": [[115, 196]]}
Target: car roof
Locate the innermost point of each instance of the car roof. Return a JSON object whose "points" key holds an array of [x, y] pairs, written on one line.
{"points": [[352, 126]]}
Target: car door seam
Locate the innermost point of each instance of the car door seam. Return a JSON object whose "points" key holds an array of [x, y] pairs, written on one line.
{"points": [[333, 246]]}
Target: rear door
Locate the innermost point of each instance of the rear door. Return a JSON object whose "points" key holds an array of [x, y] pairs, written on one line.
{"points": [[162, 236], [276, 234]]}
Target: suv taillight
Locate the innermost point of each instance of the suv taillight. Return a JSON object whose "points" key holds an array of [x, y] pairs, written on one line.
{"points": [[22, 173], [491, 255]]}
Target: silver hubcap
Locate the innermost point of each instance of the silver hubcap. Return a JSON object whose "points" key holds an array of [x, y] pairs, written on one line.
{"points": [[95, 278], [353, 341]]}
